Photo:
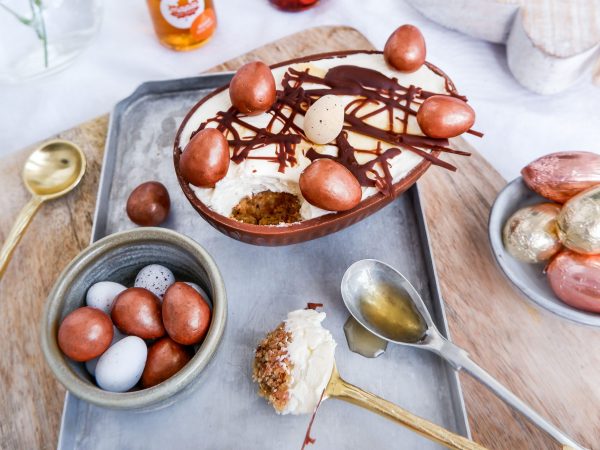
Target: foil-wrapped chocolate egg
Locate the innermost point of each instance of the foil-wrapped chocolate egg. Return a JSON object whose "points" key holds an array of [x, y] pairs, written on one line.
{"points": [[252, 89], [148, 204], [405, 49], [579, 222], [328, 185], [205, 159], [442, 116], [575, 279], [530, 234], [560, 176], [324, 119]]}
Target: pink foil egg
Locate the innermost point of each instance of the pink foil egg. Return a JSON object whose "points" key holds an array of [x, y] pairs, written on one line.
{"points": [[560, 176], [575, 279]]}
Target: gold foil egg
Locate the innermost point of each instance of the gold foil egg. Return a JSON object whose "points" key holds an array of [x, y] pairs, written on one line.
{"points": [[560, 176], [530, 234], [575, 279], [579, 222]]}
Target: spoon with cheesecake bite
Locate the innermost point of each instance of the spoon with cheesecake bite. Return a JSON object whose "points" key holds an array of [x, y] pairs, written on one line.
{"points": [[295, 369]]}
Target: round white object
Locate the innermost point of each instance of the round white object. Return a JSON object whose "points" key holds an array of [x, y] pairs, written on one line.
{"points": [[121, 366], [324, 119], [91, 364], [155, 278], [102, 295]]}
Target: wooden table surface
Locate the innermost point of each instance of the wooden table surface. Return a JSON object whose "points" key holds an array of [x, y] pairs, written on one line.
{"points": [[550, 363]]}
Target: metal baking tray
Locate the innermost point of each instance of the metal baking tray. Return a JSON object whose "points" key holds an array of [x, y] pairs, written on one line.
{"points": [[263, 284]]}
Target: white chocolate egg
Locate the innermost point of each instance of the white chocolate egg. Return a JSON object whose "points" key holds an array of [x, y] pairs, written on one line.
{"points": [[121, 366], [155, 278], [324, 119], [101, 295]]}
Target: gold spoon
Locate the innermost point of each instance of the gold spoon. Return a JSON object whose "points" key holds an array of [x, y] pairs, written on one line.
{"points": [[50, 172], [338, 388]]}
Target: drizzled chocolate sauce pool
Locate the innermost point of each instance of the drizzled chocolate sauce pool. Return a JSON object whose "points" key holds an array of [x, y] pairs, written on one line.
{"points": [[371, 87]]}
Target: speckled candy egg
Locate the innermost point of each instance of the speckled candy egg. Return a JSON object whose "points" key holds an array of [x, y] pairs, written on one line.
{"points": [[324, 119], [121, 366], [102, 295], [155, 278]]}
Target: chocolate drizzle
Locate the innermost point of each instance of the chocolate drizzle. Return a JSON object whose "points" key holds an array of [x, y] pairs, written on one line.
{"points": [[372, 88]]}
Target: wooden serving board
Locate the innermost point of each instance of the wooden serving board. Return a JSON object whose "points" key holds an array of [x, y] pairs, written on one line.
{"points": [[550, 363]]}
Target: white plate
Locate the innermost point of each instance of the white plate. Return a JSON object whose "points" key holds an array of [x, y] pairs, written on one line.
{"points": [[529, 278]]}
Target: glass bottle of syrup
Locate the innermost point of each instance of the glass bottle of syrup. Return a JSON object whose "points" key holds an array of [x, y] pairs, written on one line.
{"points": [[183, 24]]}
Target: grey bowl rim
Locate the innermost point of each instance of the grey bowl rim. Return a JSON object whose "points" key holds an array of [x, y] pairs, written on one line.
{"points": [[145, 397], [495, 237]]}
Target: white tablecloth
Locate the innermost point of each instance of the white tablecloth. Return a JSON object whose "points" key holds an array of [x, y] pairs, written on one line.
{"points": [[518, 124]]}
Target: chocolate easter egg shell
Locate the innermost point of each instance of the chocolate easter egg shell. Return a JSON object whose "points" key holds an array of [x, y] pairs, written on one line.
{"points": [[579, 222], [575, 279], [562, 175], [205, 159], [442, 116], [328, 185], [405, 49], [252, 88]]}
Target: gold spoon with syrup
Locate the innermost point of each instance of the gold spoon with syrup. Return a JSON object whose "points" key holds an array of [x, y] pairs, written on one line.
{"points": [[51, 171], [384, 302]]}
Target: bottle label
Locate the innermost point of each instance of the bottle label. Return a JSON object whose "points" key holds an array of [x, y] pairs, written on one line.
{"points": [[181, 13]]}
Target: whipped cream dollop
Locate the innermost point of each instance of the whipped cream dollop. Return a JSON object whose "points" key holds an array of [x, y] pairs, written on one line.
{"points": [[259, 173], [311, 352]]}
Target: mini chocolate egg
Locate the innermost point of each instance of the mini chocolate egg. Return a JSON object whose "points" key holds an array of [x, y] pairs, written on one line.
{"points": [[560, 176], [85, 333], [442, 116], [155, 278], [405, 49], [102, 294], [324, 119], [252, 88], [530, 234], [205, 159], [186, 314], [328, 185], [121, 366], [92, 363], [579, 222], [137, 312], [575, 279], [148, 204], [165, 358]]}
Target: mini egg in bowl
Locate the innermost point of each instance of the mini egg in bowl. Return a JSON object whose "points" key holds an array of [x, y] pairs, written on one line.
{"points": [[119, 258]]}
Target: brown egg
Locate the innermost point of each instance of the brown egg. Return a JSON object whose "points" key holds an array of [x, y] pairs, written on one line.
{"points": [[148, 204], [85, 334], [329, 185], [575, 279], [252, 89], [186, 314], [560, 176], [405, 49], [165, 358], [441, 116], [137, 312], [205, 159]]}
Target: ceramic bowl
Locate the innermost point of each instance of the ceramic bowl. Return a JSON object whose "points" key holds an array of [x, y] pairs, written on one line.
{"points": [[305, 230], [119, 257], [528, 278]]}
